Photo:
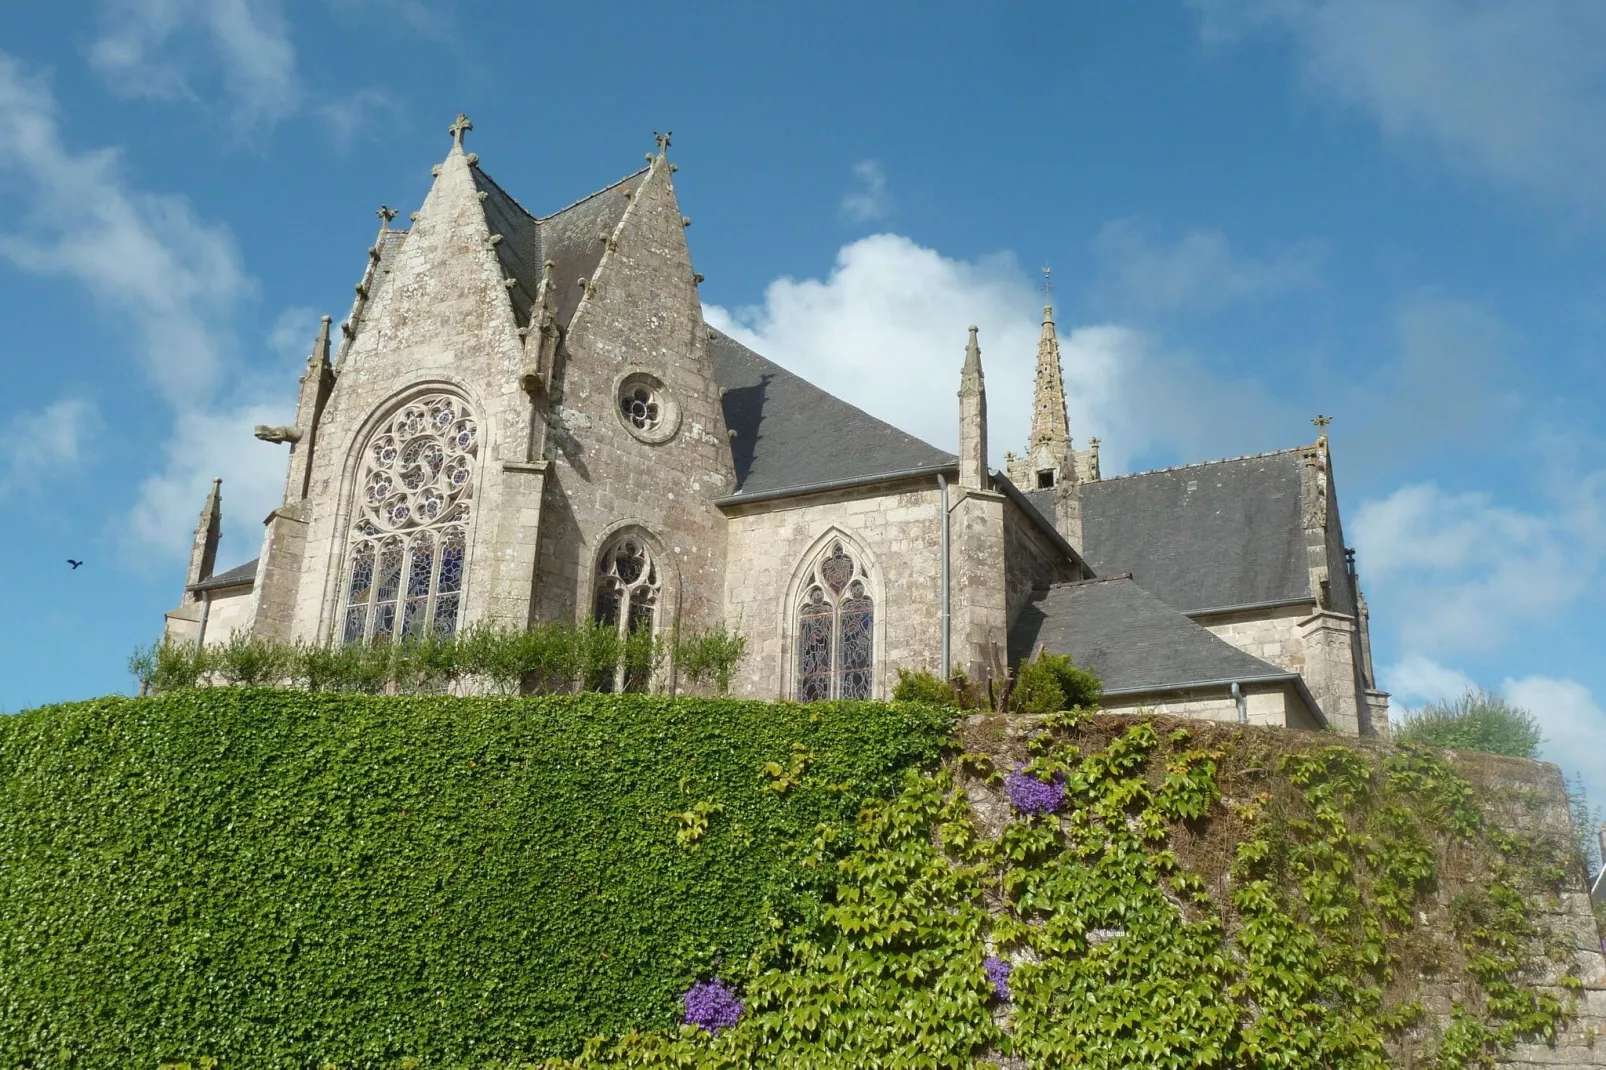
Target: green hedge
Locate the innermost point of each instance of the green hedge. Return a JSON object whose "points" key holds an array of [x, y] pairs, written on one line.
{"points": [[279, 879]]}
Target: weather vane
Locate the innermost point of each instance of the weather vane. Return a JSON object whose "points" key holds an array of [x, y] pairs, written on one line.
{"points": [[1048, 282]]}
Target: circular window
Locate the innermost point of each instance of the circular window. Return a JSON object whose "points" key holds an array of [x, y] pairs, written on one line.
{"points": [[645, 408]]}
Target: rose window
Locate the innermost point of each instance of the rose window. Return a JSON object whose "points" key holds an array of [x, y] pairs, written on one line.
{"points": [[410, 532]]}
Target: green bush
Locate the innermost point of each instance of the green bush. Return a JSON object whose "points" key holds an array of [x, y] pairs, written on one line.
{"points": [[278, 878], [1478, 720], [711, 657], [1048, 683], [922, 685], [250, 662]]}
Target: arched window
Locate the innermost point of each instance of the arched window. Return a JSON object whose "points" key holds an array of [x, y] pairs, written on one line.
{"points": [[835, 629], [628, 589], [409, 533]]}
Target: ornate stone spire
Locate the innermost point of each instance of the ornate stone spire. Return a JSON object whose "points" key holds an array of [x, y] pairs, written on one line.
{"points": [[1048, 457], [203, 552], [973, 419]]}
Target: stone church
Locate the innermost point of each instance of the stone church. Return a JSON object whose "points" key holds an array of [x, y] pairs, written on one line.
{"points": [[526, 418]]}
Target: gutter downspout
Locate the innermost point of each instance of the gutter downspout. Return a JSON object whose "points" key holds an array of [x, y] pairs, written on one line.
{"points": [[942, 488], [1243, 703], [200, 631]]}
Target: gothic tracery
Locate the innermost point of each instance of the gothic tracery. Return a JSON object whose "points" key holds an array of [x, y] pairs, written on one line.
{"points": [[835, 629], [410, 530]]}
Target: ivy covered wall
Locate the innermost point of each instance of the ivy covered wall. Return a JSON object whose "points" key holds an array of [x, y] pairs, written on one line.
{"points": [[257, 878]]}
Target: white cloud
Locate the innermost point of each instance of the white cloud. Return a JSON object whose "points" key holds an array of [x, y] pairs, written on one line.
{"points": [[1416, 680], [886, 331], [348, 117], [870, 198], [1514, 92], [293, 332], [1574, 725], [38, 446], [1200, 272], [1463, 572], [152, 48], [204, 446], [171, 280]]}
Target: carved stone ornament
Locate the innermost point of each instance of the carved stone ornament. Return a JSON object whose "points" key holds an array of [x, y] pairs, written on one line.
{"points": [[277, 434]]}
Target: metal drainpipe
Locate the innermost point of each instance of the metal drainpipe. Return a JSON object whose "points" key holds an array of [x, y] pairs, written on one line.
{"points": [[1243, 703], [200, 631], [942, 487]]}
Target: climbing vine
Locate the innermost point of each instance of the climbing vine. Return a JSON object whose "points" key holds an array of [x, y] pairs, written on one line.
{"points": [[1173, 903]]}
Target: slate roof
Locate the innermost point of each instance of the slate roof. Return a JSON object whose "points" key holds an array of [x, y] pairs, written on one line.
{"points": [[571, 238], [790, 434], [1131, 639], [1203, 536], [237, 576]]}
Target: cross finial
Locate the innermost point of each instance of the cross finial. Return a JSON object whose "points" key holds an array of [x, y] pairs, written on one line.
{"points": [[386, 213], [1321, 423], [462, 126], [663, 141]]}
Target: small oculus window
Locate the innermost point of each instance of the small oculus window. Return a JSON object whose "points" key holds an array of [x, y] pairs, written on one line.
{"points": [[645, 407]]}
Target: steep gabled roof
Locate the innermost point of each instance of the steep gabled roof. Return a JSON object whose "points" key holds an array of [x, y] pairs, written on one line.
{"points": [[572, 238], [791, 435], [1204, 536], [1131, 639]]}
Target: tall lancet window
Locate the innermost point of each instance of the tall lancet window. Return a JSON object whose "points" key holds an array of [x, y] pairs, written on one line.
{"points": [[629, 587], [835, 629], [410, 529]]}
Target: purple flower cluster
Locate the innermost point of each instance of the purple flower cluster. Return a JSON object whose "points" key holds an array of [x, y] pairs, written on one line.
{"points": [[998, 973], [1032, 796], [710, 1006]]}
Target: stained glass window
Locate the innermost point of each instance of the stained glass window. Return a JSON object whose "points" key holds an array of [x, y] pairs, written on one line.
{"points": [[409, 534], [835, 629], [628, 589]]}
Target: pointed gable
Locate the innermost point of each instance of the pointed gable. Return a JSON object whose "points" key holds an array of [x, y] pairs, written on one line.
{"points": [[791, 435], [573, 238]]}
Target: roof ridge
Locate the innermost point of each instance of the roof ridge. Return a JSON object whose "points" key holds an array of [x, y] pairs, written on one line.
{"points": [[595, 193], [1111, 578], [475, 167], [1203, 464]]}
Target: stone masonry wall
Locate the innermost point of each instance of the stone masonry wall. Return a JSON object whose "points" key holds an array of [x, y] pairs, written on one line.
{"points": [[1264, 705], [1031, 562], [899, 536], [444, 320], [1271, 635], [641, 317]]}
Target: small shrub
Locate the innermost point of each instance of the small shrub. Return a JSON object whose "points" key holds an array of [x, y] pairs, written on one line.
{"points": [[711, 656], [251, 662], [426, 664], [599, 649], [1049, 683], [142, 666], [1479, 720], [922, 685], [177, 665], [315, 667]]}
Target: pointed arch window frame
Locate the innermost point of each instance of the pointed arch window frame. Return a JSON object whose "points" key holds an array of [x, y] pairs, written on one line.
{"points": [[646, 593], [404, 562], [855, 609]]}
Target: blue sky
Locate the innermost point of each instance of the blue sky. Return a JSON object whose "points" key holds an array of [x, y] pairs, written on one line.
{"points": [[1389, 211]]}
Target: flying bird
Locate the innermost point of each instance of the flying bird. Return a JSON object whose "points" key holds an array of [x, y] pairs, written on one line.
{"points": [[74, 564]]}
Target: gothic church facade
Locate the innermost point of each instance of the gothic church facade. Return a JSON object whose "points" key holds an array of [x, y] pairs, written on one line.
{"points": [[526, 418]]}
